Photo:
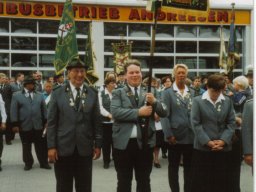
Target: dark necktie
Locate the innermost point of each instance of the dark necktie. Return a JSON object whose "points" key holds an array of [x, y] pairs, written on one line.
{"points": [[30, 96], [136, 95], [77, 101]]}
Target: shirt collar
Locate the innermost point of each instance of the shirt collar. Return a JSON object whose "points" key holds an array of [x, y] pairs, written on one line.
{"points": [[73, 88], [132, 88], [175, 88], [207, 97], [107, 92]]}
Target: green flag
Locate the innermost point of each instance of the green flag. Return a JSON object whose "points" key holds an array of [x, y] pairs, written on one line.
{"points": [[90, 58], [66, 46]]}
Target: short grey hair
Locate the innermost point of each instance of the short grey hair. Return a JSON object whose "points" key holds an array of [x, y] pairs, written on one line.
{"points": [[179, 66], [242, 81]]}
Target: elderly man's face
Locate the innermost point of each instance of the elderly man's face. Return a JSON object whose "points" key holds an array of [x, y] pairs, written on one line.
{"points": [[76, 76]]}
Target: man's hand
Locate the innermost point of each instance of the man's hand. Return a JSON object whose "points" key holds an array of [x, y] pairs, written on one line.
{"points": [[238, 121], [109, 116], [52, 155], [97, 153], [172, 140], [145, 111], [15, 129], [248, 159], [150, 98], [3, 126]]}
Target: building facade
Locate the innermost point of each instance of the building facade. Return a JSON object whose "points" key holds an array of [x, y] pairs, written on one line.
{"points": [[28, 34]]}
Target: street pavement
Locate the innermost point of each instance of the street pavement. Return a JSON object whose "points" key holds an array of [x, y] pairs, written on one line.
{"points": [[14, 179]]}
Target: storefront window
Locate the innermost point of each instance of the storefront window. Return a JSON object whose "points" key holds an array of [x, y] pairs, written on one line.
{"points": [[141, 46], [189, 61], [48, 27], [108, 44], [139, 30], [4, 25], [82, 28], [209, 62], [81, 43], [209, 32], [108, 61], [186, 47], [162, 62], [115, 29], [164, 47], [4, 42], [24, 43], [164, 31], [209, 47], [4, 60], [24, 26], [46, 60], [47, 43], [23, 60], [186, 31]]}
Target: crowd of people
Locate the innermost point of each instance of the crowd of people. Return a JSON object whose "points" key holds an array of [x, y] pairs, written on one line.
{"points": [[202, 123]]}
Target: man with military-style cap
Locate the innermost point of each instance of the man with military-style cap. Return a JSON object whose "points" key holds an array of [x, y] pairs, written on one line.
{"points": [[74, 133], [28, 116]]}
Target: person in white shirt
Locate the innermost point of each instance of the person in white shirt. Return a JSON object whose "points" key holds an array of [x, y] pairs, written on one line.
{"points": [[2, 127], [105, 97]]}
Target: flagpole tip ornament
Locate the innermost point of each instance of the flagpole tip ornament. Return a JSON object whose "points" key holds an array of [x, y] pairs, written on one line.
{"points": [[76, 63]]}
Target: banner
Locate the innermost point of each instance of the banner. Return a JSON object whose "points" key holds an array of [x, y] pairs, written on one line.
{"points": [[90, 59], [233, 55], [122, 52], [198, 5], [223, 53], [66, 46]]}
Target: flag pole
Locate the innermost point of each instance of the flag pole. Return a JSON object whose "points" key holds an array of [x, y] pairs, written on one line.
{"points": [[145, 122]]}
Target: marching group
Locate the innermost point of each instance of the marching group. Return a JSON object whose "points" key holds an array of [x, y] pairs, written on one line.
{"points": [[204, 123]]}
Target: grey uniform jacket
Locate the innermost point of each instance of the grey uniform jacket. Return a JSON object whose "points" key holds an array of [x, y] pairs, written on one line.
{"points": [[69, 127], [15, 87], [177, 123], [247, 128], [28, 114], [125, 113], [210, 123]]}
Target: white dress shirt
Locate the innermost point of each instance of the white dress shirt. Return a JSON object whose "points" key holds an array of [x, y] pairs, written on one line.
{"points": [[74, 91], [207, 97], [134, 128], [103, 111], [2, 108], [175, 88]]}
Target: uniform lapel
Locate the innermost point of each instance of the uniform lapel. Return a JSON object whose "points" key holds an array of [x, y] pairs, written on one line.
{"points": [[142, 95], [130, 95]]}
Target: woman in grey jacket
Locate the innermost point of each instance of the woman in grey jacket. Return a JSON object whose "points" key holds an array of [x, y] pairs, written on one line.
{"points": [[213, 122]]}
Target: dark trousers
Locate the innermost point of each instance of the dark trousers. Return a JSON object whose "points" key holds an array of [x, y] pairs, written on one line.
{"points": [[1, 145], [133, 158], [234, 165], [29, 137], [73, 167], [174, 155], [107, 142], [209, 172], [9, 134]]}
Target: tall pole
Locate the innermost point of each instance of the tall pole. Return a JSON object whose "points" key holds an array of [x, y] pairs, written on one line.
{"points": [[145, 124]]}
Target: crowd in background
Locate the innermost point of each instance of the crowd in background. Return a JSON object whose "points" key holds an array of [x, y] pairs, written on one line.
{"points": [[238, 89]]}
